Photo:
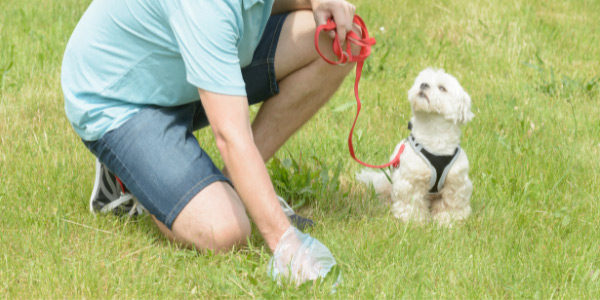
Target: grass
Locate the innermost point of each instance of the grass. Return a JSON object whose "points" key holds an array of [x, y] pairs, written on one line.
{"points": [[532, 70]]}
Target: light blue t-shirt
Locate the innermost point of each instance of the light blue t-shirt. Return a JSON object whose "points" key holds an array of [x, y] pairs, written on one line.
{"points": [[126, 54]]}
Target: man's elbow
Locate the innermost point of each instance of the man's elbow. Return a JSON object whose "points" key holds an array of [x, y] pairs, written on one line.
{"points": [[228, 139]]}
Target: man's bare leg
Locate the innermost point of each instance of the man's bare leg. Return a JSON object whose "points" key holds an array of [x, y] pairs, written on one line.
{"points": [[306, 83]]}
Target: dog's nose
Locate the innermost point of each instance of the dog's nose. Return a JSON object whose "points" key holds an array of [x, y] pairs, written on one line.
{"points": [[424, 86]]}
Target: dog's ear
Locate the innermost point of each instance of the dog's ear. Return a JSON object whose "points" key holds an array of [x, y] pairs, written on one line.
{"points": [[463, 113]]}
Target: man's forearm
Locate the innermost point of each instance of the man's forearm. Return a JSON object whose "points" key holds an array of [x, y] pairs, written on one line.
{"points": [[230, 122], [251, 180], [282, 6]]}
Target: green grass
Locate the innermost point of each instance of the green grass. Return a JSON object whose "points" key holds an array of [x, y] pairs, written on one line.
{"points": [[533, 72]]}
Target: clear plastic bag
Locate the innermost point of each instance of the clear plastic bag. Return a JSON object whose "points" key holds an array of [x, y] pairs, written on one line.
{"points": [[299, 257]]}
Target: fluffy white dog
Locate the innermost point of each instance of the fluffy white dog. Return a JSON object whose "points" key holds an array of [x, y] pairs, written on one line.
{"points": [[432, 180]]}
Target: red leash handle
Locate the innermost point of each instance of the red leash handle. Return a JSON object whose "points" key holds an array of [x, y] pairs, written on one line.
{"points": [[365, 42]]}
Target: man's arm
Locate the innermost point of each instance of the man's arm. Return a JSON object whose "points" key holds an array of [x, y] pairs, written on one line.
{"points": [[230, 123]]}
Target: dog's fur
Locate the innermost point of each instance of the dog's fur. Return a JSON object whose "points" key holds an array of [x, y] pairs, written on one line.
{"points": [[440, 107]]}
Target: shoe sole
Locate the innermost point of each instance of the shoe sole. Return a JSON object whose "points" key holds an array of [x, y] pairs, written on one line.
{"points": [[301, 223], [96, 189]]}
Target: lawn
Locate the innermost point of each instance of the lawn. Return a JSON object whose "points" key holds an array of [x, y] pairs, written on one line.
{"points": [[532, 69]]}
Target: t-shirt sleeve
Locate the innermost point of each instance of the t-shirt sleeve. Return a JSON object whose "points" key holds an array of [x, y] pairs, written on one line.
{"points": [[207, 34]]}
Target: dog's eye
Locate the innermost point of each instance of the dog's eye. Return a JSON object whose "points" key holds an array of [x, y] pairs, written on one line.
{"points": [[442, 88]]}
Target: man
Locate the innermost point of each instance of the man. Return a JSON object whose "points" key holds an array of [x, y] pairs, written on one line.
{"points": [[133, 72]]}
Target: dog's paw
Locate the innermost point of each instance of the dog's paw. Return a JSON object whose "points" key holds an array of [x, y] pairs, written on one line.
{"points": [[410, 213], [448, 218]]}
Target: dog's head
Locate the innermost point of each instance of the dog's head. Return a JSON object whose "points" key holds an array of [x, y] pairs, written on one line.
{"points": [[436, 91]]}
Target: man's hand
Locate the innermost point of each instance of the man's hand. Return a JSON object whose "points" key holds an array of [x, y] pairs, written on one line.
{"points": [[300, 258], [341, 11]]}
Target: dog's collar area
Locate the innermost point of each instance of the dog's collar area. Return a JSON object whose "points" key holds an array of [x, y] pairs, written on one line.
{"points": [[439, 165]]}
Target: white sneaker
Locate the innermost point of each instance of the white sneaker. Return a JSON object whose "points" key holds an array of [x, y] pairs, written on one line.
{"points": [[111, 195]]}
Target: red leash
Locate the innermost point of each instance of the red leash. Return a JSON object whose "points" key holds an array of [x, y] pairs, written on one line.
{"points": [[365, 42]]}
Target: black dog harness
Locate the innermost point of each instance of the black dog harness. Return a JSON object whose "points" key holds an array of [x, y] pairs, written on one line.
{"points": [[438, 164]]}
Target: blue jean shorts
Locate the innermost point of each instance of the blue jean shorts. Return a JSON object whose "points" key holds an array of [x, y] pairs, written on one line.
{"points": [[157, 156]]}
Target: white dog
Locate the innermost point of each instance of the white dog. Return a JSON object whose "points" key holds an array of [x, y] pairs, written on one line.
{"points": [[432, 180]]}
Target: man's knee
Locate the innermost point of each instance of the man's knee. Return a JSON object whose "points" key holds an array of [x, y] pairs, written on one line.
{"points": [[208, 224], [227, 235], [220, 237]]}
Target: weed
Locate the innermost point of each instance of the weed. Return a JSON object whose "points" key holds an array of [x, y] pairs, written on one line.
{"points": [[303, 182]]}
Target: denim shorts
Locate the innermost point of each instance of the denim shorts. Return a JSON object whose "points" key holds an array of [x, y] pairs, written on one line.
{"points": [[155, 153]]}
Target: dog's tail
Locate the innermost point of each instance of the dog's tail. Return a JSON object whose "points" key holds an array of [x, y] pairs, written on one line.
{"points": [[378, 180]]}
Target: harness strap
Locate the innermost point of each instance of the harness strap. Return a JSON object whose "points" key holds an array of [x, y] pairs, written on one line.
{"points": [[439, 165], [364, 42]]}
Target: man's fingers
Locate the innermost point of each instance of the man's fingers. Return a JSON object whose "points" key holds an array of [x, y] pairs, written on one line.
{"points": [[321, 19], [343, 17], [342, 13]]}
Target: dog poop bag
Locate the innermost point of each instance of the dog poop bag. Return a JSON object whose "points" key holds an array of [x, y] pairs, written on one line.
{"points": [[299, 258]]}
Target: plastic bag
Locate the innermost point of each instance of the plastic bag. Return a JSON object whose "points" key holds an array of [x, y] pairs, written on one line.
{"points": [[299, 257]]}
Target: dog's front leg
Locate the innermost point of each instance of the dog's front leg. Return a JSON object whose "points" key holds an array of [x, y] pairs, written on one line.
{"points": [[455, 204], [409, 202]]}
